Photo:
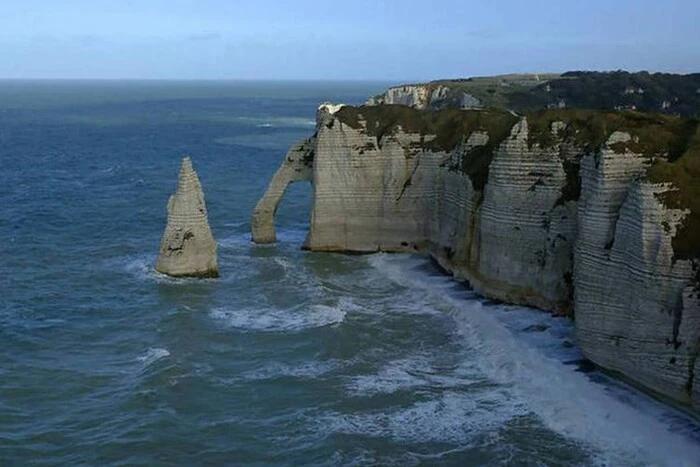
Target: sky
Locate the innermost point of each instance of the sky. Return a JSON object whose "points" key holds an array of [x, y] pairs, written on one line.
{"points": [[342, 40]]}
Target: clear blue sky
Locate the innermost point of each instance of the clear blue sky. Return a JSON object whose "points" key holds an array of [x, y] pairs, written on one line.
{"points": [[342, 39]]}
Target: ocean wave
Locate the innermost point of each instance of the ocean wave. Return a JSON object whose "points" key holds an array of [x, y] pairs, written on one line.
{"points": [[308, 369], [452, 417], [152, 355], [141, 267], [112, 168], [417, 371], [282, 320], [566, 401], [398, 375]]}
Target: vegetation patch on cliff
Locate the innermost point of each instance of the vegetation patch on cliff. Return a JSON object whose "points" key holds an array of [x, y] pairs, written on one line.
{"points": [[616, 90], [490, 91], [450, 128], [671, 144], [682, 170], [653, 134]]}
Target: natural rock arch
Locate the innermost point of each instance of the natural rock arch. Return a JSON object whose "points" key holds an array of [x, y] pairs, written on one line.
{"points": [[297, 166]]}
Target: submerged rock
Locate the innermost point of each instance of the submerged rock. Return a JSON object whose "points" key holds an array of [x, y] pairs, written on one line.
{"points": [[188, 248]]}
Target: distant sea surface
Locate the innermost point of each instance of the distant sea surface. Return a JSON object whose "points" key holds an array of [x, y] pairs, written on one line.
{"points": [[290, 358]]}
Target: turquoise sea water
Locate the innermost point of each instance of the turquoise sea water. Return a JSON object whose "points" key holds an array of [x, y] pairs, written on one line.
{"points": [[290, 358]]}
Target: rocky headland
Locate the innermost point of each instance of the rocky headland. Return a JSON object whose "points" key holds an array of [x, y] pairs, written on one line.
{"points": [[585, 213]]}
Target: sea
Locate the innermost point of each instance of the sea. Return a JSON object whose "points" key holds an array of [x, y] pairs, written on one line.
{"points": [[290, 357]]}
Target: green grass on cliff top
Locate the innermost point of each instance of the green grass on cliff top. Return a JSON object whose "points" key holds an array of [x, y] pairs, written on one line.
{"points": [[682, 168], [492, 91], [650, 92], [671, 143]]}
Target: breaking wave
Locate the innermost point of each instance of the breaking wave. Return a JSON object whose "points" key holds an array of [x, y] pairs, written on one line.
{"points": [[279, 320]]}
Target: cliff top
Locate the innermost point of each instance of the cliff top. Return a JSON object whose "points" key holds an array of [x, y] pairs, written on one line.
{"points": [[674, 94]]}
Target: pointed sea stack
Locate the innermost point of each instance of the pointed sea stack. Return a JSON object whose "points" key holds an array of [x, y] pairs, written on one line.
{"points": [[188, 248]]}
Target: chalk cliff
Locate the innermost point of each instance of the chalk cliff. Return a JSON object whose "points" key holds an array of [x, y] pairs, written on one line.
{"points": [[588, 214], [427, 96], [188, 248]]}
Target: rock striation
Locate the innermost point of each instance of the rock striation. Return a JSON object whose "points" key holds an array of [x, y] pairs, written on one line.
{"points": [[586, 214], [188, 248]]}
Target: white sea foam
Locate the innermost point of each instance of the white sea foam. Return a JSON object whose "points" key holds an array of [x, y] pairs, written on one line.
{"points": [[395, 376], [152, 355], [112, 168], [293, 122], [308, 369], [566, 401], [235, 224], [281, 320], [455, 417], [142, 267], [285, 263], [417, 371]]}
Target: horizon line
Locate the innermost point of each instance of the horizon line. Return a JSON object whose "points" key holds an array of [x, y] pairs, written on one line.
{"points": [[345, 80]]}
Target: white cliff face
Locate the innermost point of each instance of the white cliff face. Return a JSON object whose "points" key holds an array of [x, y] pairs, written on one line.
{"points": [[527, 227], [554, 226], [188, 248], [330, 107], [635, 311], [425, 96], [359, 191], [410, 95]]}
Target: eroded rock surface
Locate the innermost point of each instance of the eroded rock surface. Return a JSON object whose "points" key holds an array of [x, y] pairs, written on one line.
{"points": [[188, 248]]}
